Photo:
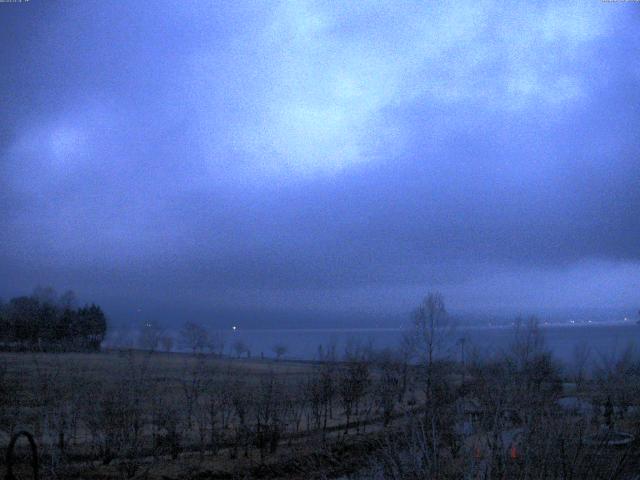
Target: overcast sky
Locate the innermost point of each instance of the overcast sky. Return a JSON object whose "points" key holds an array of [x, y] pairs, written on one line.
{"points": [[184, 158]]}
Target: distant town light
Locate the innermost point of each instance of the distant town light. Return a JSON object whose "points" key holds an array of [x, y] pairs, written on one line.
{"points": [[234, 327]]}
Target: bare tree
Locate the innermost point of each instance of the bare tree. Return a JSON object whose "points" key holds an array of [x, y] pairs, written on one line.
{"points": [[167, 420], [299, 404], [269, 413], [535, 373], [432, 339], [280, 350], [218, 405], [240, 347], [8, 400], [194, 382], [387, 385], [242, 406], [432, 328], [115, 414], [194, 337], [580, 367], [352, 386], [166, 342], [149, 336], [617, 377], [217, 342]]}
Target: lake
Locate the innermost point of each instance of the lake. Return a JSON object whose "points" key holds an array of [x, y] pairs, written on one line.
{"points": [[602, 339]]}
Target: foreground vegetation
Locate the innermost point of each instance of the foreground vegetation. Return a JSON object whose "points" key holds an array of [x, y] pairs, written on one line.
{"points": [[413, 413]]}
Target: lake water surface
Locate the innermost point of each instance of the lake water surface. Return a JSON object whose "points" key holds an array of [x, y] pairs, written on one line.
{"points": [[562, 340]]}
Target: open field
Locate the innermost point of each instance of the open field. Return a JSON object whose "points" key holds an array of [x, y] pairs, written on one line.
{"points": [[168, 414], [136, 414]]}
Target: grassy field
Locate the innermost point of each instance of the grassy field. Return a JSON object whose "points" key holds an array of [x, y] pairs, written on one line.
{"points": [[132, 414], [127, 414]]}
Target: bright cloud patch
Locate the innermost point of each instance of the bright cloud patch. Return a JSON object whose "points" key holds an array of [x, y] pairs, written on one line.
{"points": [[323, 80]]}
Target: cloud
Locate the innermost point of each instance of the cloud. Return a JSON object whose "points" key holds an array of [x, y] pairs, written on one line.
{"points": [[301, 152], [320, 83]]}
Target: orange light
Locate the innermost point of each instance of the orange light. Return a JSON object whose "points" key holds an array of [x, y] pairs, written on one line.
{"points": [[514, 452]]}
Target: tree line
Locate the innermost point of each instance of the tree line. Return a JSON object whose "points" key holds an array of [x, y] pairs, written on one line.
{"points": [[46, 321]]}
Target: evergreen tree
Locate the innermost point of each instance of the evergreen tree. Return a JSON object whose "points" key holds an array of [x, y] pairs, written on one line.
{"points": [[42, 321]]}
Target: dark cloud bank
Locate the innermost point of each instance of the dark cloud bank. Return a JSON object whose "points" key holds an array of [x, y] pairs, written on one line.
{"points": [[322, 164]]}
